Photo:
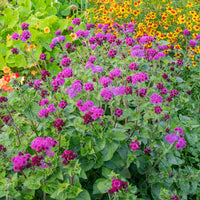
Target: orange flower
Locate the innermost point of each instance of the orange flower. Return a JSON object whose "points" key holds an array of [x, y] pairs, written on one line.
{"points": [[8, 37], [68, 17], [6, 70], [7, 88], [73, 35], [33, 73], [6, 78], [47, 30], [36, 26]]}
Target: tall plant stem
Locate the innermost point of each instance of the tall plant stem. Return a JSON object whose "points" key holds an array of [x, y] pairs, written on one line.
{"points": [[59, 142]]}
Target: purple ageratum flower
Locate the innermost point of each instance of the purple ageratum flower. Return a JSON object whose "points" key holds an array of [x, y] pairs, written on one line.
{"points": [[55, 40], [15, 36], [100, 26], [156, 99], [44, 113], [97, 69], [115, 73], [67, 72], [92, 40], [180, 144], [65, 62], [105, 81], [92, 59], [58, 32], [43, 56], [157, 109], [25, 35], [76, 21], [51, 59], [197, 37], [89, 87], [130, 42], [186, 32], [139, 77], [68, 45], [192, 43], [96, 112], [93, 46], [112, 53], [15, 51], [171, 138], [118, 112], [77, 86], [90, 26], [70, 28], [133, 66], [52, 45], [51, 108], [25, 26], [146, 39], [106, 94], [179, 130], [62, 104], [61, 38], [137, 51], [71, 92], [86, 106], [44, 102], [120, 90]]}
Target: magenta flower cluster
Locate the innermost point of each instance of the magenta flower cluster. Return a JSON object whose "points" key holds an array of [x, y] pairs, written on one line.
{"points": [[21, 161], [135, 145], [117, 185], [44, 144], [67, 156]]}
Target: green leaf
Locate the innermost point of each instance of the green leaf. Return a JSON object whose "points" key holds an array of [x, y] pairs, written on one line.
{"points": [[143, 163], [11, 17], [2, 62], [52, 10], [109, 150], [32, 110], [84, 195], [3, 49], [33, 182], [101, 186], [20, 61]]}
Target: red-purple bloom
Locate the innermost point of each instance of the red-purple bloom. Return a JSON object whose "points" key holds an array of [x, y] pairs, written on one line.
{"points": [[25, 35], [15, 36], [156, 99], [192, 43], [157, 109], [58, 32], [44, 102], [186, 32], [62, 104], [89, 87], [15, 51], [59, 123], [65, 62], [112, 53], [25, 26], [76, 21], [43, 56], [118, 112], [135, 145]]}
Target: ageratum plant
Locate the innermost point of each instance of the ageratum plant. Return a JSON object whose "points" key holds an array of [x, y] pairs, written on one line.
{"points": [[102, 121]]}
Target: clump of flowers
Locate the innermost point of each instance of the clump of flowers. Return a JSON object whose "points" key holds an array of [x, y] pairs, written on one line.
{"points": [[135, 145], [59, 123], [117, 185], [21, 161], [156, 99], [172, 138], [44, 144], [67, 156]]}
